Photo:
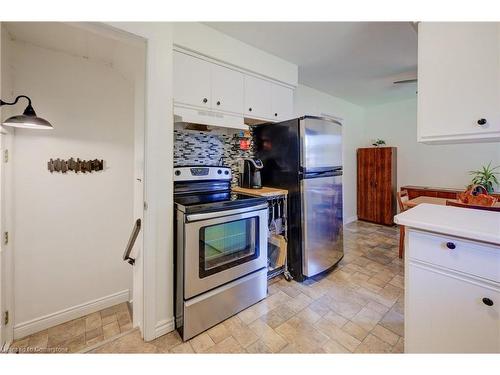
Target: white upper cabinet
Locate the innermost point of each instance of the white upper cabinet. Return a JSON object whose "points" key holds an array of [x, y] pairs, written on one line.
{"points": [[227, 89], [227, 92], [281, 102], [257, 97], [458, 82], [191, 80], [267, 100]]}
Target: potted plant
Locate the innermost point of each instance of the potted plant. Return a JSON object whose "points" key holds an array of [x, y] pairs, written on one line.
{"points": [[486, 176], [378, 142]]}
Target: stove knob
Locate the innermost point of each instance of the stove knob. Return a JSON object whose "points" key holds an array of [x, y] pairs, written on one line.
{"points": [[226, 172], [177, 173], [219, 171]]}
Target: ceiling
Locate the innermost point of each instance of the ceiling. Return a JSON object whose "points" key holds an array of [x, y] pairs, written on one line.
{"points": [[84, 40], [356, 61]]}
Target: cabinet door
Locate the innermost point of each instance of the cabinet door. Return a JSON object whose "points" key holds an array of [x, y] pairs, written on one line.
{"points": [[446, 313], [383, 185], [191, 80], [257, 97], [458, 81], [367, 207], [227, 89], [281, 102]]}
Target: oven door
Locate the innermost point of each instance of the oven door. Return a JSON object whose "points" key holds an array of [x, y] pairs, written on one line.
{"points": [[223, 246]]}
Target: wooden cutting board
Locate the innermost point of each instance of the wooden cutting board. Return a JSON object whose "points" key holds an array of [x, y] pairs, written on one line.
{"points": [[263, 192]]}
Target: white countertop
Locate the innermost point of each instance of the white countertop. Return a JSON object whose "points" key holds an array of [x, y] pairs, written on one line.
{"points": [[468, 223]]}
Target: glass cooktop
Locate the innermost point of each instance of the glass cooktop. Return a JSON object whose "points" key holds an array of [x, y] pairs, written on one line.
{"points": [[191, 203]]}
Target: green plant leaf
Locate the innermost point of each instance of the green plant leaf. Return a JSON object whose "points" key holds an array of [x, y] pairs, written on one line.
{"points": [[485, 176]]}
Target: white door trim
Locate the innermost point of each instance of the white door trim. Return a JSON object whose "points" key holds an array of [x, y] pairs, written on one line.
{"points": [[3, 340], [157, 254], [6, 261], [6, 258]]}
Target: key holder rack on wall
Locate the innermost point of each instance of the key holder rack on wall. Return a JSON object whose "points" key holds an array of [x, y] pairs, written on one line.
{"points": [[83, 166]]}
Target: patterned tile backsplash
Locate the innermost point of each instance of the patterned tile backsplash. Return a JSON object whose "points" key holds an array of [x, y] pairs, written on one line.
{"points": [[202, 148]]}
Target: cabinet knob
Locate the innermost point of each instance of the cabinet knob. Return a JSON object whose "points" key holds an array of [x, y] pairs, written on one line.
{"points": [[481, 121], [275, 115], [487, 301], [205, 100], [250, 109], [218, 103], [450, 245]]}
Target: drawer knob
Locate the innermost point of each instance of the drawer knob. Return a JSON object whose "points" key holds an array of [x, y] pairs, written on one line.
{"points": [[481, 121], [218, 103], [487, 301], [450, 245], [205, 100]]}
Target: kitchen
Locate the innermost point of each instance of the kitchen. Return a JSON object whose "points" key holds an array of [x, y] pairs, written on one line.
{"points": [[287, 152], [249, 119]]}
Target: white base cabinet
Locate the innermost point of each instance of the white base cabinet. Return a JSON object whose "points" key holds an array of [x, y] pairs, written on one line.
{"points": [[449, 307], [446, 313]]}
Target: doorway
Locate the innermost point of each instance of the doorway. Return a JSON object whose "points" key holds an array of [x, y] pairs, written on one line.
{"points": [[71, 289]]}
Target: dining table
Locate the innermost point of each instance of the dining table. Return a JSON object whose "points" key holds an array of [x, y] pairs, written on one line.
{"points": [[431, 200]]}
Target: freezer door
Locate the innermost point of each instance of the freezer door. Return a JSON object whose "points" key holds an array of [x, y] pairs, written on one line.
{"points": [[322, 234], [320, 144]]}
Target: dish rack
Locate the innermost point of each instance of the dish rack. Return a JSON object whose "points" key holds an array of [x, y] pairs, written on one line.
{"points": [[277, 238]]}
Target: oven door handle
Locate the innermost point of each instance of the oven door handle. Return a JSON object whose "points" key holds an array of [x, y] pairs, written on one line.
{"points": [[213, 215]]}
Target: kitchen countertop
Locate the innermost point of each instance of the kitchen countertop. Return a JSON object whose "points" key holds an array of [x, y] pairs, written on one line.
{"points": [[467, 223], [263, 192]]}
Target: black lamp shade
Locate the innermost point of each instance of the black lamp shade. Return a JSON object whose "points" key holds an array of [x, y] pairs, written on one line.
{"points": [[28, 120]]}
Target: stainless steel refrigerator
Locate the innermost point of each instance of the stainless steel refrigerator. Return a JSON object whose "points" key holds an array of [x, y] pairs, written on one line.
{"points": [[304, 156]]}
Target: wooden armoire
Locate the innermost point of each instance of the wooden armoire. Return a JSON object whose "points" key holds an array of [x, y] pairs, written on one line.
{"points": [[377, 184]]}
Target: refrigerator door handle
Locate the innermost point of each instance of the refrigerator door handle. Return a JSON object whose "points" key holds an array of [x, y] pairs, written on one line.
{"points": [[321, 169], [316, 174]]}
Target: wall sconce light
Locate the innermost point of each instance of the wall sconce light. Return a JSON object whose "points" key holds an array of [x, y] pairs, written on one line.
{"points": [[28, 119]]}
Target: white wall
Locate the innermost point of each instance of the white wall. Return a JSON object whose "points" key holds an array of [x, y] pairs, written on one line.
{"points": [[212, 43], [71, 229], [421, 164], [309, 101]]}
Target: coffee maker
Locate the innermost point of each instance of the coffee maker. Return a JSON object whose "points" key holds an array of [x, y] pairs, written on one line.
{"points": [[250, 173]]}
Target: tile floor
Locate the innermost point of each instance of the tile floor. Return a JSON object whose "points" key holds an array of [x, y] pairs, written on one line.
{"points": [[357, 308], [78, 334]]}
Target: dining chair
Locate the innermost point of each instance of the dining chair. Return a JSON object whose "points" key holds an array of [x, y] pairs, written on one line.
{"points": [[402, 198], [464, 205]]}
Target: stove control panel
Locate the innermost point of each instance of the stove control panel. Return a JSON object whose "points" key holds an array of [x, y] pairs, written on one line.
{"points": [[192, 173]]}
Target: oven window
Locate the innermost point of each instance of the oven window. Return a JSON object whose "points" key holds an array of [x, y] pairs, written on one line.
{"points": [[226, 245]]}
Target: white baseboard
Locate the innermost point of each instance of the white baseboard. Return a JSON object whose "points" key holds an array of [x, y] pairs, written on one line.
{"points": [[164, 326], [350, 219], [39, 324]]}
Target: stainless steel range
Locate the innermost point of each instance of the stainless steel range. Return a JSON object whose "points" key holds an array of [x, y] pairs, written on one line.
{"points": [[221, 249]]}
